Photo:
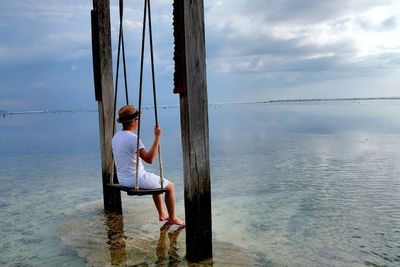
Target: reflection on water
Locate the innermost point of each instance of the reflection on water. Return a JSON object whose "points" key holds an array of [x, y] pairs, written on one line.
{"points": [[116, 238], [136, 239], [292, 185], [167, 254]]}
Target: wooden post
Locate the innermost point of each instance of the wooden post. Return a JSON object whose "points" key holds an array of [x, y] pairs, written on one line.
{"points": [[103, 83], [191, 84]]}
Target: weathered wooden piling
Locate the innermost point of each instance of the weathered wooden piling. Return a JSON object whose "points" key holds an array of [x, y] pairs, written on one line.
{"points": [[191, 84], [104, 92]]}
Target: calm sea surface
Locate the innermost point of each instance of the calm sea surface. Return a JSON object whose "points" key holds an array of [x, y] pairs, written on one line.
{"points": [[311, 184]]}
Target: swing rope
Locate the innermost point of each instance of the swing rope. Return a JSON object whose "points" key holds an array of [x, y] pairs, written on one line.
{"points": [[154, 93], [147, 8], [121, 44], [140, 97]]}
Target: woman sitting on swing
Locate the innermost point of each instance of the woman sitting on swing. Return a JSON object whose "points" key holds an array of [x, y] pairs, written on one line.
{"points": [[124, 146]]}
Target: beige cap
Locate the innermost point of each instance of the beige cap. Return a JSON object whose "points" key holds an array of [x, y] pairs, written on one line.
{"points": [[127, 113]]}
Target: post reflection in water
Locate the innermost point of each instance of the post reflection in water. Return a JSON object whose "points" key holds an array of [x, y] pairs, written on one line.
{"points": [[166, 254], [116, 238]]}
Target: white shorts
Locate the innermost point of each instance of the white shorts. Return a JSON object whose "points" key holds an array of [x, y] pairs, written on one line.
{"points": [[151, 181], [147, 181]]}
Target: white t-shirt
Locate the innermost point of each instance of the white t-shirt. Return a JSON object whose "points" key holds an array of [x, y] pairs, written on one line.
{"points": [[124, 150]]}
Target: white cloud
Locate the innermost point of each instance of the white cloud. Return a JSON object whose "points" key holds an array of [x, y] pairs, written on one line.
{"points": [[55, 39], [271, 45], [46, 10], [133, 25], [54, 47], [45, 31], [283, 31]]}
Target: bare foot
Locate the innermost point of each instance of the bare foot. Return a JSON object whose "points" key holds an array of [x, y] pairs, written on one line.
{"points": [[163, 217], [177, 221]]}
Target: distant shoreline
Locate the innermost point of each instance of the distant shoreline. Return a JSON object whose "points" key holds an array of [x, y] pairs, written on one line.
{"points": [[337, 99], [308, 100], [300, 100], [58, 111], [2, 112]]}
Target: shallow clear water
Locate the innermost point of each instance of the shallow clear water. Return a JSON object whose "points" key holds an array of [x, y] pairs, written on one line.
{"points": [[292, 185]]}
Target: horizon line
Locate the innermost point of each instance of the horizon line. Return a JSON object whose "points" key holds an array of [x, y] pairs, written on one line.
{"points": [[5, 112]]}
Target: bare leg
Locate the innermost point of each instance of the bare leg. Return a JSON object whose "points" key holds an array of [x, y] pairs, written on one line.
{"points": [[170, 202], [162, 216]]}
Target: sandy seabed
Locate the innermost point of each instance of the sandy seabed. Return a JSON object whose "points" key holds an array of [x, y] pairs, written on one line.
{"points": [[136, 238]]}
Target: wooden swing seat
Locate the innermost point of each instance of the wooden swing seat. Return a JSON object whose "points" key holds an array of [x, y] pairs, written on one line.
{"points": [[141, 192]]}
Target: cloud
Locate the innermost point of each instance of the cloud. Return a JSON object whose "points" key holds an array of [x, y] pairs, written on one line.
{"points": [[254, 48], [61, 31], [51, 48], [56, 39], [305, 12], [328, 39], [162, 36], [45, 11], [387, 24], [37, 32]]}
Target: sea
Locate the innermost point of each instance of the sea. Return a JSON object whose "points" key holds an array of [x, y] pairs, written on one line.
{"points": [[293, 184]]}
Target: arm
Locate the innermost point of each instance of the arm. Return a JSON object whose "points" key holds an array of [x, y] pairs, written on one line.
{"points": [[149, 156]]}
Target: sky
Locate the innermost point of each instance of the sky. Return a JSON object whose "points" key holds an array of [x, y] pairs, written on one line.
{"points": [[256, 50]]}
